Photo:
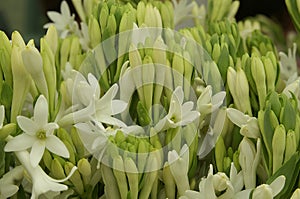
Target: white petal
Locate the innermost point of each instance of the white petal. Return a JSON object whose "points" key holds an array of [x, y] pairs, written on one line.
{"points": [[54, 16], [117, 106], [20, 143], [237, 117], [205, 97], [243, 194], [110, 120], [277, 185], [104, 104], [64, 9], [41, 111], [190, 117], [55, 145], [178, 93], [94, 84], [27, 125], [85, 93], [50, 127], [37, 152], [217, 99], [187, 106]]}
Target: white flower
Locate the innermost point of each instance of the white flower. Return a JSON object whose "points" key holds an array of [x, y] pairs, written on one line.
{"points": [[264, 191], [249, 159], [41, 182], [288, 64], [249, 125], [38, 135], [7, 182], [64, 22], [217, 185], [179, 166], [180, 114], [207, 103], [88, 105]]}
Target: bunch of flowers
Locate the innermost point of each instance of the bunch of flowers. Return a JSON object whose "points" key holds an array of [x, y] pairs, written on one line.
{"points": [[150, 99]]}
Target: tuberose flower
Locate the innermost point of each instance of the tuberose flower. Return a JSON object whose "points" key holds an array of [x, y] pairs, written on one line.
{"points": [[179, 114], [38, 134]]}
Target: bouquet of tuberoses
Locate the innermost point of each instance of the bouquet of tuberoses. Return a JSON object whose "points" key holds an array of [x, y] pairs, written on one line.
{"points": [[150, 99]]}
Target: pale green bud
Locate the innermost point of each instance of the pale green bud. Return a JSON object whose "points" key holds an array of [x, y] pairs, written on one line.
{"points": [[118, 170], [141, 8], [17, 40], [259, 77], [220, 153], [150, 176], [21, 80], [57, 170], [271, 73], [278, 147], [84, 168], [168, 179], [65, 51], [111, 187], [94, 32], [242, 91], [104, 13], [75, 178], [178, 69], [7, 130], [132, 176], [33, 63], [291, 145], [148, 75], [263, 192], [52, 38]]}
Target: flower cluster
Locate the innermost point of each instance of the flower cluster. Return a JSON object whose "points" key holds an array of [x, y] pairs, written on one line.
{"points": [[150, 99]]}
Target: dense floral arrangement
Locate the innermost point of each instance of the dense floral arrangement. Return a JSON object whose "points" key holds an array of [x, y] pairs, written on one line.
{"points": [[150, 99]]}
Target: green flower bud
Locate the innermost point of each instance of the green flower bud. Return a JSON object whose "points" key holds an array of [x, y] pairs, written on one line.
{"points": [[132, 176], [220, 153], [85, 170], [296, 194], [52, 38], [77, 143], [168, 179], [148, 75], [104, 13], [57, 170], [118, 170], [291, 145], [150, 176], [21, 78], [6, 130], [75, 178], [47, 159], [94, 32], [111, 187], [141, 9], [259, 77], [278, 147]]}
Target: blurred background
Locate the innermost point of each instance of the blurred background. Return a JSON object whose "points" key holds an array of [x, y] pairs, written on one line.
{"points": [[29, 16]]}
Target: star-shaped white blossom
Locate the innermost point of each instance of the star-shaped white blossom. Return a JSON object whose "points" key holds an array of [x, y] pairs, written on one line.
{"points": [[38, 134], [64, 22], [180, 114]]}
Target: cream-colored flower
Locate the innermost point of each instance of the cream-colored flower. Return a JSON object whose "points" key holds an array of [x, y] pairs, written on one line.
{"points": [[179, 114], [38, 135]]}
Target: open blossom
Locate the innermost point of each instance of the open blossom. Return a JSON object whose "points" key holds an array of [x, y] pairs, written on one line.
{"points": [[249, 125], [38, 135], [213, 185], [179, 114], [64, 22], [88, 105], [41, 182]]}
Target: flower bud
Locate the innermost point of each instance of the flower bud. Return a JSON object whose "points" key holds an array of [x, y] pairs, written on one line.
{"points": [[57, 170], [278, 147], [291, 145]]}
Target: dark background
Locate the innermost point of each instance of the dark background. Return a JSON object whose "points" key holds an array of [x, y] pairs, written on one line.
{"points": [[29, 16]]}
